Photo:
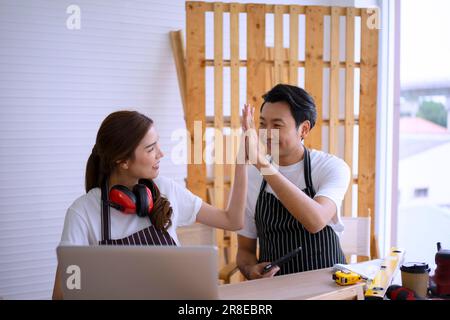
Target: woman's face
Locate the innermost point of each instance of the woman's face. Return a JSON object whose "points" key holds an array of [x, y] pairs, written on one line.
{"points": [[146, 157]]}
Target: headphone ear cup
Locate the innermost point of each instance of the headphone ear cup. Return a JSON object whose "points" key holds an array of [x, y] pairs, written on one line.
{"points": [[144, 204], [121, 198], [150, 201]]}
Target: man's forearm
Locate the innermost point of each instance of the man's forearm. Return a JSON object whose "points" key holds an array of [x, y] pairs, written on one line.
{"points": [[244, 261], [306, 210]]}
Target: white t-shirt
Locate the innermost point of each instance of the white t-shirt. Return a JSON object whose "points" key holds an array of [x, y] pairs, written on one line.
{"points": [[330, 178], [82, 225]]}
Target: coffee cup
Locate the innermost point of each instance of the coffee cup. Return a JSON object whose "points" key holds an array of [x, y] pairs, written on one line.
{"points": [[415, 276]]}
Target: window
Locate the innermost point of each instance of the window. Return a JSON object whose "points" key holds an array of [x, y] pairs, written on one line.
{"points": [[424, 137]]}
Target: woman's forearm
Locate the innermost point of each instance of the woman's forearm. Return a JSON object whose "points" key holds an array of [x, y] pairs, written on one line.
{"points": [[236, 205]]}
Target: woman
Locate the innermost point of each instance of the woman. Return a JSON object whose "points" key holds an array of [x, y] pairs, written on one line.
{"points": [[128, 203]]}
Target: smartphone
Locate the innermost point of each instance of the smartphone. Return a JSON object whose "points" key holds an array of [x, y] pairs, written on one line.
{"points": [[282, 260]]}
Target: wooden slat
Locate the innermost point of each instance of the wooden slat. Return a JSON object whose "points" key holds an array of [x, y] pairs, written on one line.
{"points": [[226, 63], [286, 63], [218, 124], [270, 8], [233, 246], [218, 107], [269, 69], [283, 68], [219, 234], [256, 32], [195, 85], [293, 45], [367, 122], [349, 103], [227, 123], [314, 69], [334, 83], [234, 74], [278, 45], [176, 40]]}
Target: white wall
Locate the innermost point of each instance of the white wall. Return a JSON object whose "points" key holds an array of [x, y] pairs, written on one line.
{"points": [[56, 86]]}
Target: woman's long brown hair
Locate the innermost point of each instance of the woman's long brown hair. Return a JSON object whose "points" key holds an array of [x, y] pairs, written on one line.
{"points": [[117, 139]]}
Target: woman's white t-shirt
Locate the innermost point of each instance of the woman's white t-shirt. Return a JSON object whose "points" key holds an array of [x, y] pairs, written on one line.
{"points": [[330, 178], [82, 225]]}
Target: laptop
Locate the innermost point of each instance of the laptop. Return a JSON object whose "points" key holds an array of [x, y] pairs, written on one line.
{"points": [[138, 272]]}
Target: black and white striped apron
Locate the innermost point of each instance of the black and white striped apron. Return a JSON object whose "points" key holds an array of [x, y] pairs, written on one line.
{"points": [[280, 233], [148, 236]]}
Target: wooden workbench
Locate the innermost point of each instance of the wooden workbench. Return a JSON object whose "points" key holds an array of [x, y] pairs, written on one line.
{"points": [[317, 284]]}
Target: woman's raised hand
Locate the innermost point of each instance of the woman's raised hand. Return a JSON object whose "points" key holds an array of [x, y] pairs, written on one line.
{"points": [[255, 151]]}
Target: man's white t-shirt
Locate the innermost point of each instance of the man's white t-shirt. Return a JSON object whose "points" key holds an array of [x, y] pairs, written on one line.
{"points": [[330, 178], [82, 225]]}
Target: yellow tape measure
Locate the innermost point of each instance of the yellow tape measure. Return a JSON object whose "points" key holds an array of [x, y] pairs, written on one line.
{"points": [[346, 278]]}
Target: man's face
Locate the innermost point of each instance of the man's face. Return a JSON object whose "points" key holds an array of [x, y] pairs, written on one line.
{"points": [[277, 116]]}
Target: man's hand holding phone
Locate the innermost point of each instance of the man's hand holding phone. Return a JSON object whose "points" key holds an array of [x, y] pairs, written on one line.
{"points": [[256, 271], [269, 269]]}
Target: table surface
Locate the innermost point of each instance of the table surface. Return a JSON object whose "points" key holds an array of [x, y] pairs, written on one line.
{"points": [[317, 284]]}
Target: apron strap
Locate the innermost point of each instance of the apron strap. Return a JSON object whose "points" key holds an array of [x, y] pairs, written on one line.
{"points": [[308, 179], [263, 185], [105, 216]]}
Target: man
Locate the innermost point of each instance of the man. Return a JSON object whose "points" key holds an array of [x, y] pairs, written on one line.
{"points": [[297, 204]]}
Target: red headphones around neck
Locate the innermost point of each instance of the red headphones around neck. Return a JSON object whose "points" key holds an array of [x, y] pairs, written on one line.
{"points": [[137, 201]]}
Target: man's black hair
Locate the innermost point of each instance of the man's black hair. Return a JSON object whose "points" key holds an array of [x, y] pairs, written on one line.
{"points": [[300, 102]]}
